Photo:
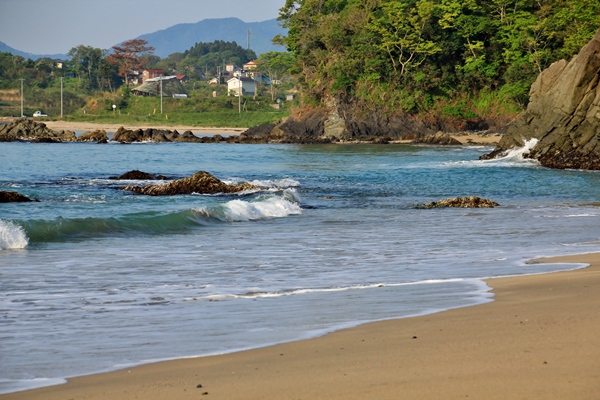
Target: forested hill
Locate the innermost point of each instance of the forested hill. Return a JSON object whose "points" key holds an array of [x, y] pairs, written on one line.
{"points": [[181, 37], [424, 56]]}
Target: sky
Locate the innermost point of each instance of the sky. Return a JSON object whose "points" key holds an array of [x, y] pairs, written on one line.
{"points": [[56, 26]]}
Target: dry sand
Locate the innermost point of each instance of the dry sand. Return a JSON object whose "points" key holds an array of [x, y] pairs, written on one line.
{"points": [[92, 126], [539, 339]]}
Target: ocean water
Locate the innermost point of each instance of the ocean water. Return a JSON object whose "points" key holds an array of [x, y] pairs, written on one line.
{"points": [[93, 278]]}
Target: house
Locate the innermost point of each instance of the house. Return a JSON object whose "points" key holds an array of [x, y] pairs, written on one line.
{"points": [[247, 85], [250, 65], [182, 78], [152, 73], [170, 85], [214, 81], [230, 67]]}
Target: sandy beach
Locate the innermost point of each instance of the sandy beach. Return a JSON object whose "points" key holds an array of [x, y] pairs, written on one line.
{"points": [[111, 128], [466, 139], [537, 340]]}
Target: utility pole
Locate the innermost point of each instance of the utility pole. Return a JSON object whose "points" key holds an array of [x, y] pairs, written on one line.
{"points": [[249, 33], [22, 97], [161, 94], [240, 96], [61, 97]]}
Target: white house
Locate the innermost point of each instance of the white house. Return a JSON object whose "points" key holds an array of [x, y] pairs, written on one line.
{"points": [[247, 85]]}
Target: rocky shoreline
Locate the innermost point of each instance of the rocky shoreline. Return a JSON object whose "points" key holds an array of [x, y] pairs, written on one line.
{"points": [[563, 115]]}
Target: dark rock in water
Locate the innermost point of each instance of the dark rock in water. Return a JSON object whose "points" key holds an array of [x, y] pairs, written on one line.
{"points": [[93, 136], [438, 139], [37, 132], [154, 135], [138, 176], [201, 183], [563, 114], [461, 202], [13, 197]]}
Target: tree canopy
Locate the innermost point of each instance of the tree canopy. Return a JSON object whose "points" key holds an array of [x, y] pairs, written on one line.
{"points": [[409, 53]]}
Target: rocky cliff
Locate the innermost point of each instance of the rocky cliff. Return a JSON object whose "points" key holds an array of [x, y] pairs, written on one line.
{"points": [[563, 114], [343, 120]]}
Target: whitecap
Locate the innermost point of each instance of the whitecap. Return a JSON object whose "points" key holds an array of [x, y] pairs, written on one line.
{"points": [[273, 207], [240, 210], [12, 236]]}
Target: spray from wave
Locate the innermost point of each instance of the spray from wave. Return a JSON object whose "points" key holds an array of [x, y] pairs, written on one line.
{"points": [[12, 236], [519, 154]]}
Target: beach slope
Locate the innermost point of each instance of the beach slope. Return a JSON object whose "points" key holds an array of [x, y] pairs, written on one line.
{"points": [[538, 340]]}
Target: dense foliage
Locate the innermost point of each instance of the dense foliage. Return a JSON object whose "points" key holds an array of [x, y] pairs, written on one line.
{"points": [[418, 54]]}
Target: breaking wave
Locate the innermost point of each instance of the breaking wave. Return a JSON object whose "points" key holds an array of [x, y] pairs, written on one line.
{"points": [[12, 236], [154, 222]]}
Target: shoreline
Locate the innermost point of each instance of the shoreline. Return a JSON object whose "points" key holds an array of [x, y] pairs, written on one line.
{"points": [[536, 340], [465, 138]]}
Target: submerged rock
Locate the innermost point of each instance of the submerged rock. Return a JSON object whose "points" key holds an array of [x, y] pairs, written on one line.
{"points": [[563, 114], [13, 197], [201, 182], [461, 202]]}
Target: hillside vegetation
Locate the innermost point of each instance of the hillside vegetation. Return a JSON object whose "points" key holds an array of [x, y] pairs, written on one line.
{"points": [[459, 58]]}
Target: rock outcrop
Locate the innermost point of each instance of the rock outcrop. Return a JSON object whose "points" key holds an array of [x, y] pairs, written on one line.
{"points": [[13, 197], [201, 183], [24, 129], [137, 175], [154, 135], [98, 135], [563, 114], [438, 139], [461, 202]]}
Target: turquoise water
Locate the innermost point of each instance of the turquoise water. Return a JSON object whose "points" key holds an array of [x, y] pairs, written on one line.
{"points": [[93, 278]]}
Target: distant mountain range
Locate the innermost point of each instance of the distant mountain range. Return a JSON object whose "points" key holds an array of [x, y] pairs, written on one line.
{"points": [[4, 48], [182, 37]]}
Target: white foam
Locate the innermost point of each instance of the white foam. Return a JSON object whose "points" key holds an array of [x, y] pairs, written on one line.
{"points": [[12, 236], [273, 207], [279, 183]]}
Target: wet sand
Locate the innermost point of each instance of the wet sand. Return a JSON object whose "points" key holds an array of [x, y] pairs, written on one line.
{"points": [[538, 340]]}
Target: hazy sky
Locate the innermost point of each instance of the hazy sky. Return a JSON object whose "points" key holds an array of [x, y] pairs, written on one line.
{"points": [[56, 26]]}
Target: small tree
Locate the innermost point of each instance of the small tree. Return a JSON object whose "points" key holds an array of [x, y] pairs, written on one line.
{"points": [[127, 57], [276, 65]]}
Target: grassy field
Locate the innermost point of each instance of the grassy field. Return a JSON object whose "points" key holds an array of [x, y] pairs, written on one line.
{"points": [[201, 108]]}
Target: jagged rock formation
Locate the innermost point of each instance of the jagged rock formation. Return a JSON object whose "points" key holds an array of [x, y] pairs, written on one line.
{"points": [[201, 182], [156, 135], [13, 197], [345, 121], [461, 202], [98, 135], [563, 114], [439, 139], [24, 129]]}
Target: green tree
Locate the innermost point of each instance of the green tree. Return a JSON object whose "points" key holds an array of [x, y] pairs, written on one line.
{"points": [[85, 62], [276, 65], [403, 28]]}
